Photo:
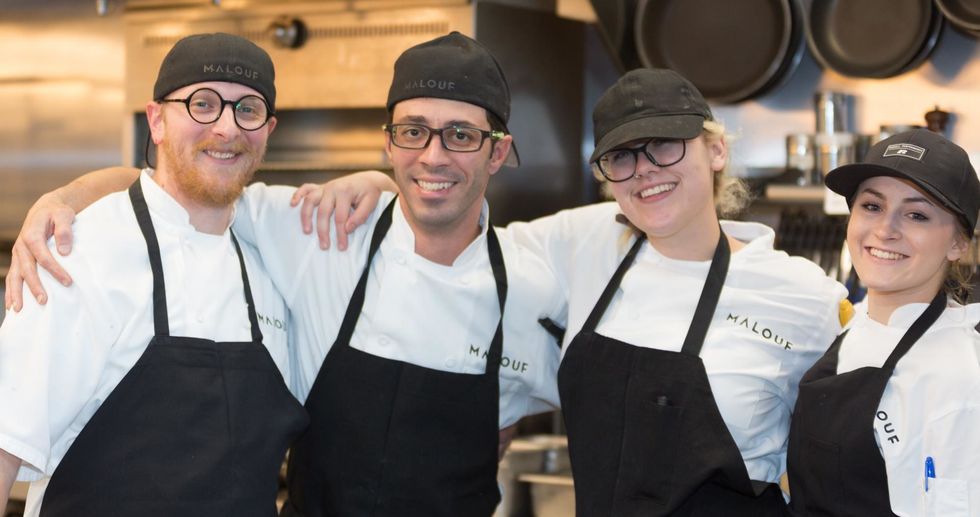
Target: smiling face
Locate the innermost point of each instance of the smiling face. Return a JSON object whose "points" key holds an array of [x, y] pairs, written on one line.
{"points": [[208, 164], [676, 201], [901, 241], [442, 191]]}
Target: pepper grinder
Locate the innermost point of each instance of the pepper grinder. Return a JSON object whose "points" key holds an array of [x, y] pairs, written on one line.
{"points": [[936, 120]]}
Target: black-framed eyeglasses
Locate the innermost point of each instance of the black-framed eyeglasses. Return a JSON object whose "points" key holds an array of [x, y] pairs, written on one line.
{"points": [[458, 139], [206, 105], [620, 164]]}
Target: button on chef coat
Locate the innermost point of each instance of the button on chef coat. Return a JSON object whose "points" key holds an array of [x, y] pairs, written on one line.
{"points": [[59, 362], [776, 315], [930, 407], [417, 311]]}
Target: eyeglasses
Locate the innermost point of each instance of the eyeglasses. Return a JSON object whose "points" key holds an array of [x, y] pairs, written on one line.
{"points": [[454, 138], [206, 105], [620, 164]]}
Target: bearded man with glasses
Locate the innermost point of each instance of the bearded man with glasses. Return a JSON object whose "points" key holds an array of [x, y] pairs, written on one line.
{"points": [[154, 386]]}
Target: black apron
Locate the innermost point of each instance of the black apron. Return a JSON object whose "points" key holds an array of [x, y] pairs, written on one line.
{"points": [[835, 466], [195, 428], [645, 437], [390, 438]]}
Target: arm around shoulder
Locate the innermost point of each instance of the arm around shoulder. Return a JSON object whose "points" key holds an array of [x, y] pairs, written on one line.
{"points": [[52, 216], [95, 185]]}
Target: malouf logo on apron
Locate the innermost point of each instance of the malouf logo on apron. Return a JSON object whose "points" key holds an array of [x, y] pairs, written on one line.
{"points": [[757, 328], [505, 362]]}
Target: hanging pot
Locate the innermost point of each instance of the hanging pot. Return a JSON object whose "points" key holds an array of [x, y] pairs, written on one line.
{"points": [[963, 14], [616, 27], [797, 48], [730, 50], [872, 38]]}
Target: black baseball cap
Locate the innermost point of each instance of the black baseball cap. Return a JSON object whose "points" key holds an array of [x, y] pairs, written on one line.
{"points": [[648, 103], [454, 67], [217, 57], [934, 164]]}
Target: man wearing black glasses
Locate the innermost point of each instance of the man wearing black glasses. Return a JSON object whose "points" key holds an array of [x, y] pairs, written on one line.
{"points": [[150, 387], [421, 341], [438, 343]]}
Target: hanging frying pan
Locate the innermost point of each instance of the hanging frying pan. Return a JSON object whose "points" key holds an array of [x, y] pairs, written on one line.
{"points": [[935, 31], [615, 25], [730, 50], [963, 14], [794, 55], [872, 38]]}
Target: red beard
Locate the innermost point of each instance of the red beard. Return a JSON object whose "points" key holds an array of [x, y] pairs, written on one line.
{"points": [[212, 188]]}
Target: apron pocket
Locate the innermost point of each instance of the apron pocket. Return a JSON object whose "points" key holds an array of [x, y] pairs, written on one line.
{"points": [[822, 462], [649, 453], [948, 498]]}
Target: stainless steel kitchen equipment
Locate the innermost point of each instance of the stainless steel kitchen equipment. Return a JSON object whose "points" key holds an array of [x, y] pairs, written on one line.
{"points": [[535, 478], [832, 151], [800, 158], [834, 140], [833, 112]]}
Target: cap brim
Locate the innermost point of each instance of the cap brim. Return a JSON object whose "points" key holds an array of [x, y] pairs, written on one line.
{"points": [[666, 126], [513, 159], [846, 179]]}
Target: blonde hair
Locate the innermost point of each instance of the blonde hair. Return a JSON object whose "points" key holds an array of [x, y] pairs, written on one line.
{"points": [[730, 193]]}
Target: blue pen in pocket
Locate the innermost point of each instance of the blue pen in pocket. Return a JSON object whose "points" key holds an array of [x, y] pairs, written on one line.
{"points": [[930, 471]]}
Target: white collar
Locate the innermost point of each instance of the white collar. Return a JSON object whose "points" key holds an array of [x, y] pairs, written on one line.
{"points": [[757, 238], [903, 317], [401, 237], [166, 208]]}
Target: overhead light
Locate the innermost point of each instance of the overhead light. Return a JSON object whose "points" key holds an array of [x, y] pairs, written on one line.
{"points": [[288, 32]]}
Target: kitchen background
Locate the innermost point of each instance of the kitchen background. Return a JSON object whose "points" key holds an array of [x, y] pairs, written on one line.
{"points": [[74, 75]]}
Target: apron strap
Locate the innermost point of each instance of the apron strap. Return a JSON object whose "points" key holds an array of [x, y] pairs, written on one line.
{"points": [[500, 279], [706, 304], [499, 275], [252, 316], [161, 325], [710, 294], [357, 298], [918, 328], [600, 307]]}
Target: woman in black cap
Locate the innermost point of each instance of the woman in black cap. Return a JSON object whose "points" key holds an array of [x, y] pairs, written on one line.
{"points": [[886, 421], [687, 335]]}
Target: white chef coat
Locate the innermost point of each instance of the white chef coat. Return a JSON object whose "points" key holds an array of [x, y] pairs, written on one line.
{"points": [[776, 315], [416, 311], [930, 407], [59, 362]]}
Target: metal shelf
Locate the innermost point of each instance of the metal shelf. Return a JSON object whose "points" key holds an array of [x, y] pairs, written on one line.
{"points": [[792, 194], [546, 479]]}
